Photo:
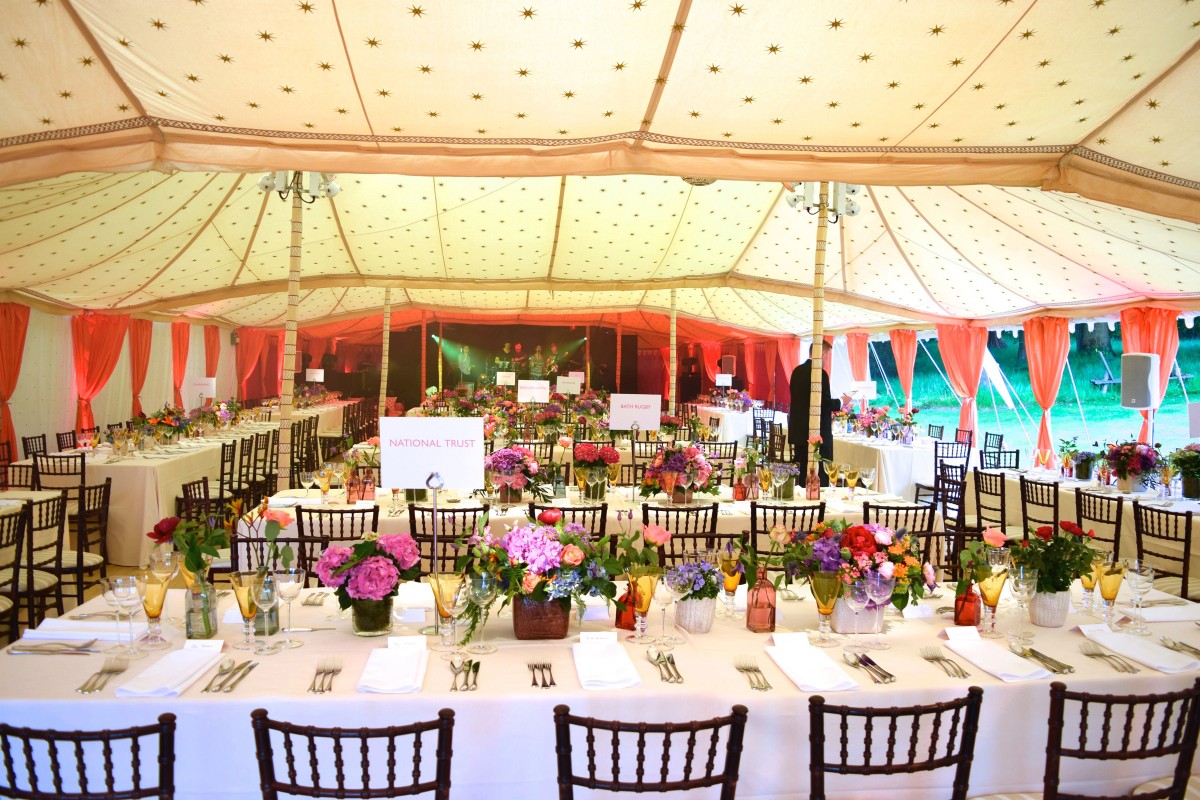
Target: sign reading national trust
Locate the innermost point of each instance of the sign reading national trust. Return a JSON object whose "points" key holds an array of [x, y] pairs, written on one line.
{"points": [[412, 447]]}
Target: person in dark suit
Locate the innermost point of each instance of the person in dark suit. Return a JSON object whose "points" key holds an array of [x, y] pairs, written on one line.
{"points": [[800, 384]]}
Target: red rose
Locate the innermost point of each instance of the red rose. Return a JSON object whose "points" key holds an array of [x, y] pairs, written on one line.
{"points": [[550, 516], [1071, 527], [1025, 544], [859, 541], [164, 531], [1045, 533]]}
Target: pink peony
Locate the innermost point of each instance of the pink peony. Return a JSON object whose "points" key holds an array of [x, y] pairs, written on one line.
{"points": [[993, 537], [887, 570], [373, 441], [572, 555], [930, 577], [564, 442], [656, 534], [884, 536], [373, 578], [327, 564], [401, 547]]}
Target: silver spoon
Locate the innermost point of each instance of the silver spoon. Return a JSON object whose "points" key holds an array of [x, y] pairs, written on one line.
{"points": [[1179, 646], [223, 669], [675, 669], [456, 666], [852, 660]]}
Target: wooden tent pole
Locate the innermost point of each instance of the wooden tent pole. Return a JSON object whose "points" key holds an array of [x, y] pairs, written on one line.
{"points": [[671, 390], [619, 331], [587, 356], [818, 317], [423, 334], [284, 479], [441, 350], [383, 366]]}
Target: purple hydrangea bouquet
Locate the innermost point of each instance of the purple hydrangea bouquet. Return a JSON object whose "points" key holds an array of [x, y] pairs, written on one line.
{"points": [[682, 466], [515, 469]]}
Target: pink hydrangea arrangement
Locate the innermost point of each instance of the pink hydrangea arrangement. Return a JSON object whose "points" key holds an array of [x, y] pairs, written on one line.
{"points": [[371, 569], [679, 460], [1129, 459]]}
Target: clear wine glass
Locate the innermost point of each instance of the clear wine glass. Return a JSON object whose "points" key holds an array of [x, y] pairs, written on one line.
{"points": [[866, 477], [124, 594], [879, 590], [1024, 584], [289, 582], [163, 565], [593, 480], [306, 480], [678, 584], [1087, 580], [856, 597], [266, 597], [394, 511], [779, 476], [484, 589], [990, 586], [1140, 577]]}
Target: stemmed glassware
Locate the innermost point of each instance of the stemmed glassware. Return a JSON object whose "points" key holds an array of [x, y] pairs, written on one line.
{"points": [[306, 480], [642, 580], [729, 562], [990, 585], [835, 470], [867, 476], [1103, 472], [452, 594], [484, 589], [593, 480], [1140, 577], [266, 597], [124, 595], [243, 590], [1088, 581], [826, 589], [1110, 574], [1024, 584], [764, 479], [394, 511], [324, 478], [164, 563], [1166, 476], [779, 476], [684, 483], [289, 582], [852, 474], [856, 597], [667, 479], [670, 588], [879, 590]]}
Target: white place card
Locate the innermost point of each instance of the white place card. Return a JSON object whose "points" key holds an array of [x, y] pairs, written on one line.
{"points": [[723, 379], [963, 633], [411, 448], [567, 385], [533, 391], [863, 390], [406, 642], [314, 375], [598, 636], [506, 379], [365, 503], [204, 644], [627, 410]]}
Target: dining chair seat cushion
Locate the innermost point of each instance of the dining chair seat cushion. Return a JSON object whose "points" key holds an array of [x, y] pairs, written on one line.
{"points": [[90, 560], [1174, 585], [5, 604], [41, 580], [1192, 792]]}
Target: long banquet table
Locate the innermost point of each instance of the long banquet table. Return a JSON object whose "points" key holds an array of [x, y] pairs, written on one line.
{"points": [[503, 736], [898, 467]]}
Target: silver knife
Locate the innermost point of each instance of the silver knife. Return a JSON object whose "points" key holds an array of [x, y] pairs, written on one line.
{"points": [[1063, 667], [304, 630], [233, 684], [870, 662], [233, 673], [19, 652]]}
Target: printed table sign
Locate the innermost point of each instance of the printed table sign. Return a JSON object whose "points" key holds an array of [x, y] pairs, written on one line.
{"points": [[202, 387], [506, 379], [577, 374], [724, 379], [626, 410], [410, 448], [533, 391], [567, 385], [314, 375]]}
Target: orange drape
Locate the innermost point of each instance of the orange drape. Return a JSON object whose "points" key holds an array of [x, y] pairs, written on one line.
{"points": [[665, 353], [710, 357], [14, 322], [904, 350], [212, 350], [140, 333], [856, 348], [962, 350], [1152, 330], [96, 341], [789, 359], [1047, 343], [181, 332], [250, 348], [770, 353], [751, 371]]}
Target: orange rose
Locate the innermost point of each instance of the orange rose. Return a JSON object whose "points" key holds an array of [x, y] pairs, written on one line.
{"points": [[572, 555], [530, 582]]}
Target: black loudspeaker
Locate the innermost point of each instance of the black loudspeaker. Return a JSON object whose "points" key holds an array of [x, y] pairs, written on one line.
{"points": [[233, 337], [1139, 380], [728, 365]]}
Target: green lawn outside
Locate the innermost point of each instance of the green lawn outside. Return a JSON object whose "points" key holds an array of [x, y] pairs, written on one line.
{"points": [[1106, 420]]}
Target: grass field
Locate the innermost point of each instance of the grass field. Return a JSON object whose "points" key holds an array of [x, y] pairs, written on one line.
{"points": [[1102, 419]]}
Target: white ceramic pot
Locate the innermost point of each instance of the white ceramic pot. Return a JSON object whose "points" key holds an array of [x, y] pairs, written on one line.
{"points": [[696, 616], [1125, 485], [1049, 610], [842, 619]]}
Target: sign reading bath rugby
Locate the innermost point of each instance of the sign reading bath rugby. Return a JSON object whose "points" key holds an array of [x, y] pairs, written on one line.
{"points": [[412, 447], [577, 374], [723, 379], [314, 375], [506, 379], [567, 385], [626, 410], [533, 391], [202, 387]]}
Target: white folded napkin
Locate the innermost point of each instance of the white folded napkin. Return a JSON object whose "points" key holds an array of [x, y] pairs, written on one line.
{"points": [[284, 502], [171, 675], [72, 630], [395, 670], [414, 595], [917, 611], [1171, 613], [808, 667], [595, 608], [8, 502], [995, 659], [1140, 649], [604, 665]]}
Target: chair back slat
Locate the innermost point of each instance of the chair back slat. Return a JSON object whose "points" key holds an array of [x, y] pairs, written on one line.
{"points": [[801, 518], [453, 524], [990, 505], [692, 528], [1164, 540], [1102, 514], [1039, 504]]}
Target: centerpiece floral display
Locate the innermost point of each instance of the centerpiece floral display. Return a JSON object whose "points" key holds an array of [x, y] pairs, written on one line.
{"points": [[874, 421], [855, 552], [198, 542], [591, 404], [549, 420], [678, 470], [362, 455], [603, 461], [738, 400], [366, 576], [1133, 462], [169, 420], [542, 567], [697, 584], [1186, 462], [514, 469], [669, 424], [1059, 560]]}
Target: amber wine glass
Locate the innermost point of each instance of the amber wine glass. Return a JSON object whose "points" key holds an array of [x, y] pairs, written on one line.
{"points": [[851, 475], [164, 563], [642, 581], [990, 585], [243, 590], [826, 589], [764, 479], [729, 562], [1088, 581], [835, 472], [1111, 574]]}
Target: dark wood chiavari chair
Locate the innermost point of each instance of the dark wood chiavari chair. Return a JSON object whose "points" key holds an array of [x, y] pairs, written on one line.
{"points": [[66, 440], [692, 528], [1101, 514], [453, 524], [65, 471], [45, 531], [1039, 505], [1164, 540], [993, 442], [1000, 459], [593, 518], [964, 436], [936, 547], [12, 545], [87, 562], [991, 505], [936, 431], [32, 445], [765, 516]]}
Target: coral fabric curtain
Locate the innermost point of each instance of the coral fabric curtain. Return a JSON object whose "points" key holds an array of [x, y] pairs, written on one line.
{"points": [[212, 350], [904, 350], [14, 322], [181, 332], [96, 341], [962, 349], [649, 370], [856, 349], [1047, 344], [788, 359], [751, 373], [1152, 330], [710, 357], [140, 333], [251, 346]]}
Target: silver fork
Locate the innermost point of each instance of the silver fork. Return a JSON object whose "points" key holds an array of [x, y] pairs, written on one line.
{"points": [[318, 675], [1093, 650], [743, 666], [549, 669], [111, 666], [950, 667], [335, 669], [761, 676], [533, 674]]}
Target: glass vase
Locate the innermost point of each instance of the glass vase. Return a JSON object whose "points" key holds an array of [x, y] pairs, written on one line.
{"points": [[200, 609], [371, 617], [812, 484], [967, 607], [760, 603]]}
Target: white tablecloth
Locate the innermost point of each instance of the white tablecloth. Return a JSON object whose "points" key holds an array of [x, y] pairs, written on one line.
{"points": [[735, 426], [503, 736], [898, 468]]}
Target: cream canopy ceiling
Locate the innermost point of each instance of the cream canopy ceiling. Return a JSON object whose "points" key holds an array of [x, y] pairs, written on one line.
{"points": [[132, 136]]}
